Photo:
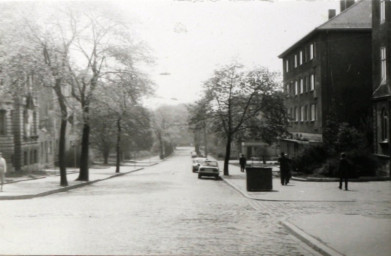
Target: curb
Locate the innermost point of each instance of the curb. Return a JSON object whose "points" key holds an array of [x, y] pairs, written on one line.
{"points": [[64, 189], [363, 179], [311, 241], [282, 200]]}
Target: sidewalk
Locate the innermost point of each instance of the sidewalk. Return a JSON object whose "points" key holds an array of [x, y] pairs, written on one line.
{"points": [[298, 190], [38, 186], [352, 235]]}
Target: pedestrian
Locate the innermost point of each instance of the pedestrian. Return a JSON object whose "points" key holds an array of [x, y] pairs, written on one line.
{"points": [[242, 162], [343, 171], [288, 174], [3, 170], [284, 169]]}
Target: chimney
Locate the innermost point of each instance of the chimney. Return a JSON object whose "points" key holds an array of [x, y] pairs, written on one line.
{"points": [[345, 4], [332, 13]]}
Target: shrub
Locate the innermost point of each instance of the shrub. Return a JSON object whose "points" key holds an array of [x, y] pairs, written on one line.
{"points": [[364, 163], [310, 159]]}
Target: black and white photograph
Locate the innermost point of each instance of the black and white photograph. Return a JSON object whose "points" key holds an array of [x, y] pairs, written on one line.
{"points": [[195, 127]]}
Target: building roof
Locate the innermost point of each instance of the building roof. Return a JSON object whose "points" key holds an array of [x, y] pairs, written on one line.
{"points": [[356, 17]]}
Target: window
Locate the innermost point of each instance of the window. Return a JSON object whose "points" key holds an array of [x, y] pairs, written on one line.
{"points": [[3, 122], [296, 114], [35, 121], [313, 112], [296, 88], [384, 125], [301, 86], [312, 82], [286, 66], [311, 51], [302, 113], [25, 156], [382, 11], [295, 60], [383, 65], [301, 58]]}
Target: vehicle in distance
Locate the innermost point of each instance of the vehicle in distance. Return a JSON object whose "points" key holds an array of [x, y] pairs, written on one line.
{"points": [[209, 168], [196, 163]]}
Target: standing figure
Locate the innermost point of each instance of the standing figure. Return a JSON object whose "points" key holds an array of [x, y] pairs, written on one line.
{"points": [[3, 170], [343, 170], [284, 169], [242, 162]]}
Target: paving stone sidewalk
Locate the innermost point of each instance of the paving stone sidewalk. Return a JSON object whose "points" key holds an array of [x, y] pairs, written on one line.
{"points": [[39, 185], [333, 234]]}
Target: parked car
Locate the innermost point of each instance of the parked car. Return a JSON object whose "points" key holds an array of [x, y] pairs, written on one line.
{"points": [[196, 163], [209, 168]]}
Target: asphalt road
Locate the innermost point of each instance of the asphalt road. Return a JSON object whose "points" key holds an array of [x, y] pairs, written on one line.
{"points": [[162, 210]]}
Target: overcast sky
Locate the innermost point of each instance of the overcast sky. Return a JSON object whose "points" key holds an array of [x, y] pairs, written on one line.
{"points": [[192, 38]]}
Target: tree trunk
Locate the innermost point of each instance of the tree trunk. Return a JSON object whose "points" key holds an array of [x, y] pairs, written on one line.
{"points": [[106, 157], [61, 154], [205, 142], [83, 174], [227, 155], [161, 146], [63, 128], [118, 145]]}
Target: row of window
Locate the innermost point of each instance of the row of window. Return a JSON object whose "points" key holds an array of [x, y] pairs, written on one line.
{"points": [[32, 159], [302, 56], [303, 85], [29, 120], [303, 113]]}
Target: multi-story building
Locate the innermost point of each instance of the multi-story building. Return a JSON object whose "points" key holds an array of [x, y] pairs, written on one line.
{"points": [[327, 73], [19, 120], [29, 128], [381, 63]]}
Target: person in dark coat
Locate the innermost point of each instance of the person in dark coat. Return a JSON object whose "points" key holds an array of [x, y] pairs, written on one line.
{"points": [[242, 162], [284, 169], [343, 171]]}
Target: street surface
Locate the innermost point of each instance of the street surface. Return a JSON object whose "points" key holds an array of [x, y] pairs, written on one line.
{"points": [[161, 210]]}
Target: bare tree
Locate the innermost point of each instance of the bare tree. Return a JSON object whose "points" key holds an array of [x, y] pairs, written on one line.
{"points": [[105, 47], [236, 97], [54, 40]]}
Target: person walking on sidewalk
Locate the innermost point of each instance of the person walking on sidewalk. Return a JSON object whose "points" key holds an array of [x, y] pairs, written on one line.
{"points": [[284, 169], [343, 171], [3, 170], [242, 162]]}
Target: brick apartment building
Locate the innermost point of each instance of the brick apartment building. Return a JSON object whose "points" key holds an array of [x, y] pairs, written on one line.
{"points": [[19, 125], [29, 128], [381, 63], [327, 72]]}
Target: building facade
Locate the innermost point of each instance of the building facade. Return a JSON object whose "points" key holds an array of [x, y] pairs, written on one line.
{"points": [[326, 73], [29, 129], [381, 66], [19, 120]]}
